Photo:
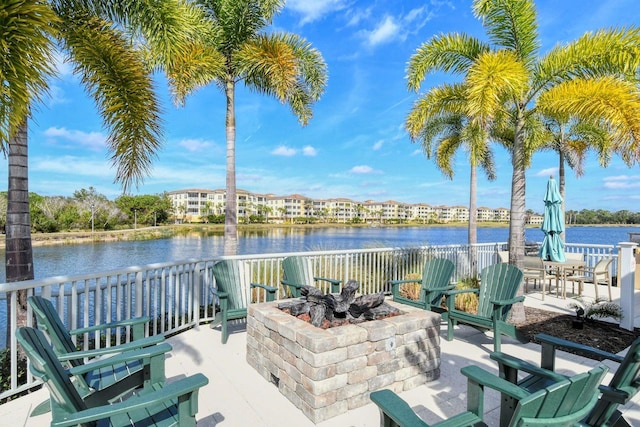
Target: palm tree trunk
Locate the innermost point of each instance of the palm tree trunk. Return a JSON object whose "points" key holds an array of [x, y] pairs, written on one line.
{"points": [[561, 177], [231, 210], [518, 210], [18, 253], [473, 220]]}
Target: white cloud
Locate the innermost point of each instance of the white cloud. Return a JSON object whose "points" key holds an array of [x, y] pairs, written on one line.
{"points": [[357, 16], [417, 152], [386, 31], [309, 151], [284, 151], [621, 182], [378, 145], [548, 172], [92, 140], [362, 170], [312, 10], [79, 165], [194, 145]]}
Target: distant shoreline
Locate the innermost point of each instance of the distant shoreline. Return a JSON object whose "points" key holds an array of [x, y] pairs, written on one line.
{"points": [[166, 231]]}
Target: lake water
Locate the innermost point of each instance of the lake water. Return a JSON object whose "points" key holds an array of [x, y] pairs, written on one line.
{"points": [[97, 257]]}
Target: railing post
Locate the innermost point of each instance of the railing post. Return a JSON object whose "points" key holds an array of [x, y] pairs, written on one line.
{"points": [[139, 302], [626, 275]]}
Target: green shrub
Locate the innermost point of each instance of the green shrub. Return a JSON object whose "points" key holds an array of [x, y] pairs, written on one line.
{"points": [[5, 370], [468, 301], [411, 290]]}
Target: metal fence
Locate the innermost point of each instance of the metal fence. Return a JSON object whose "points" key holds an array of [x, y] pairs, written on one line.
{"points": [[177, 295]]}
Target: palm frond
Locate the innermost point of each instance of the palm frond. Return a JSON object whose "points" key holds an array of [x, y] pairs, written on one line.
{"points": [[511, 24], [494, 76], [610, 100], [285, 66], [447, 98], [445, 52], [119, 82], [26, 33], [606, 52]]}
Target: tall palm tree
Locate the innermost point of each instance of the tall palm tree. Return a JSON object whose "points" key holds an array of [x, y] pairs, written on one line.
{"points": [[91, 34], [446, 118], [578, 71], [571, 139], [240, 49]]}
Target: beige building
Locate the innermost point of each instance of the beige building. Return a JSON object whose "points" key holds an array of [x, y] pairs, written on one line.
{"points": [[192, 205]]}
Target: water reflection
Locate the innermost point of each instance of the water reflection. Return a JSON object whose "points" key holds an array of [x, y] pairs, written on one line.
{"points": [[204, 243]]}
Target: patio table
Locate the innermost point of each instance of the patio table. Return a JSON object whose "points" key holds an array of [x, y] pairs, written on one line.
{"points": [[561, 268]]}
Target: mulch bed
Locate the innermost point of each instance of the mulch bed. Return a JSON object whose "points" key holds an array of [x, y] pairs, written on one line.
{"points": [[595, 333]]}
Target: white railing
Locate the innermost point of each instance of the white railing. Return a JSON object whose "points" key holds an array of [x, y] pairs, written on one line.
{"points": [[177, 295]]}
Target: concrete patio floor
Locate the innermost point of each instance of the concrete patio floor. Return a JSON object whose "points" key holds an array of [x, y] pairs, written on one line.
{"points": [[238, 396]]}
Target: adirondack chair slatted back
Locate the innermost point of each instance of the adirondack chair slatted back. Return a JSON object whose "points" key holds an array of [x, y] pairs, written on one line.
{"points": [[298, 270], [561, 404], [45, 366], [498, 282], [49, 321], [437, 273], [626, 380], [234, 278]]}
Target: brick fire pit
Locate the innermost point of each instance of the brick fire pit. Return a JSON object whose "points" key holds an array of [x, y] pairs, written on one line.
{"points": [[326, 372]]}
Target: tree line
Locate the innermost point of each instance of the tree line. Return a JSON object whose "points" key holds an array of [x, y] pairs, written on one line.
{"points": [[89, 210], [601, 216]]}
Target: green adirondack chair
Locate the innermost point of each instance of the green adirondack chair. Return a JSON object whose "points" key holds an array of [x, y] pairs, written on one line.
{"points": [[436, 280], [499, 284], [298, 272], [174, 404], [233, 289], [112, 379], [561, 404], [624, 385]]}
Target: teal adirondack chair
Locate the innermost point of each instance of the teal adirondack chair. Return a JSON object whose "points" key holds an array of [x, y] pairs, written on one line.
{"points": [[233, 289], [561, 404], [298, 272], [112, 379], [436, 280], [499, 284], [624, 385], [174, 404]]}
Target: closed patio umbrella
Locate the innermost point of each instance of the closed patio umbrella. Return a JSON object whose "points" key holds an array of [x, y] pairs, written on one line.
{"points": [[552, 225]]}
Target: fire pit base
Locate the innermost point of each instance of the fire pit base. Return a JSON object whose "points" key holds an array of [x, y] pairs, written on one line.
{"points": [[326, 372]]}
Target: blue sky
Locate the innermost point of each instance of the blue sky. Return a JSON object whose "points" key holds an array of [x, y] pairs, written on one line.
{"points": [[355, 145]]}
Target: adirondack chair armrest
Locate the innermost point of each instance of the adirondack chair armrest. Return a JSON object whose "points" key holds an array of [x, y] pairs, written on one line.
{"points": [[524, 366], [616, 395], [271, 291], [121, 348], [219, 294], [394, 407], [184, 387], [443, 289], [129, 356], [550, 343], [479, 377], [511, 301], [332, 281], [265, 287], [400, 282], [289, 283], [461, 291], [118, 324]]}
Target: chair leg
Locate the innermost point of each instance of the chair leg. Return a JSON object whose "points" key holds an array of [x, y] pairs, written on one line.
{"points": [[595, 287]]}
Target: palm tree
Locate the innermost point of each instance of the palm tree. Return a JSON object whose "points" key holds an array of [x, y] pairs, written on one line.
{"points": [[571, 139], [571, 80], [240, 49], [439, 123], [114, 73]]}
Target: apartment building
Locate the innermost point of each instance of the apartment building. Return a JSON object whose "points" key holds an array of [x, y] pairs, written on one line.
{"points": [[192, 205]]}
